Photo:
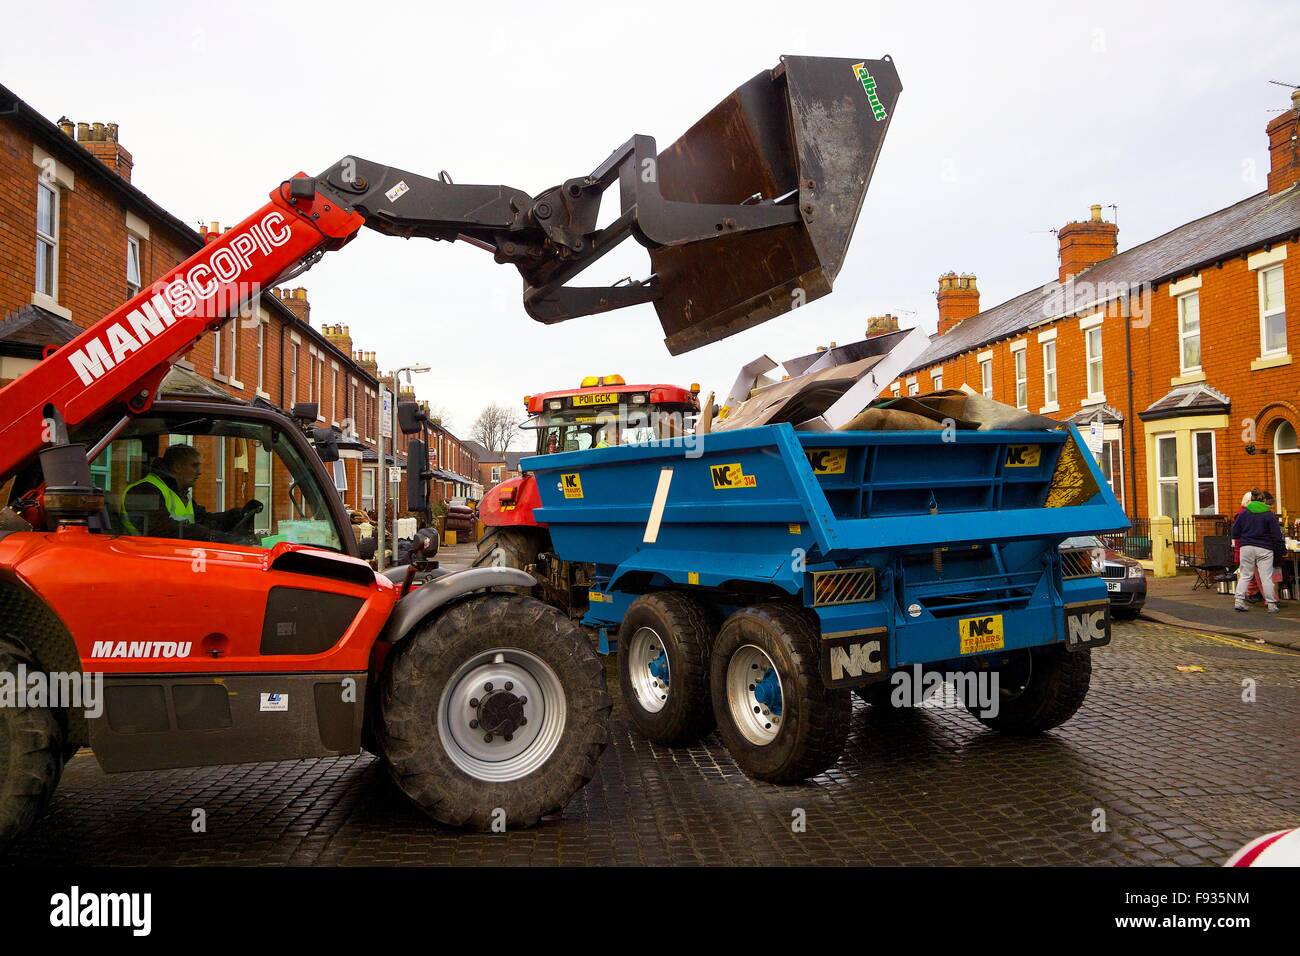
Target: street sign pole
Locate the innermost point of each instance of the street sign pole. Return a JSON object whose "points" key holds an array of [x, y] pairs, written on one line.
{"points": [[385, 432]]}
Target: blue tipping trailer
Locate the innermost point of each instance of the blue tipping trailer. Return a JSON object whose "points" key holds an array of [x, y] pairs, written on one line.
{"points": [[822, 561]]}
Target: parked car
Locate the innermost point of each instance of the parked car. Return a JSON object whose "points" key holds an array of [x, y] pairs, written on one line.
{"points": [[1125, 578]]}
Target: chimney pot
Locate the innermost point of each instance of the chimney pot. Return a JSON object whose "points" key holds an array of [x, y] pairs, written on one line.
{"points": [[112, 132], [97, 132], [83, 132], [1295, 100], [66, 125], [1096, 212]]}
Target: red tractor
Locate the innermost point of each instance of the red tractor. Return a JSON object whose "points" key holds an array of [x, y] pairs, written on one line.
{"points": [[602, 411]]}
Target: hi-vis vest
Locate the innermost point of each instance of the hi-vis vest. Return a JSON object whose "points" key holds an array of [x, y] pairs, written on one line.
{"points": [[181, 509]]}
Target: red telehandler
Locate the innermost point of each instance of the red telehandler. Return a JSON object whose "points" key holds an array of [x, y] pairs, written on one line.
{"points": [[258, 633]]}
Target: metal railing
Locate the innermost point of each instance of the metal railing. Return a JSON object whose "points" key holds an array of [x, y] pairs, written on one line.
{"points": [[1190, 533]]}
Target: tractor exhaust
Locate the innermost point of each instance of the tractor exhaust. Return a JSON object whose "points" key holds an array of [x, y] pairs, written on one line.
{"points": [[747, 216]]}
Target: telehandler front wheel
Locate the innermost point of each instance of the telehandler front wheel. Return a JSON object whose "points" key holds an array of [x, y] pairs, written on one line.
{"points": [[663, 667], [31, 751], [1038, 689], [779, 722], [494, 713]]}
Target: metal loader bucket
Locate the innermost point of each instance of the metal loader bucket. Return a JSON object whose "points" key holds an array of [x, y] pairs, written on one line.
{"points": [[803, 137]]}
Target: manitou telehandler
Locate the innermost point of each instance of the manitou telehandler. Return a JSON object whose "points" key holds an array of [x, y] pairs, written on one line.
{"points": [[603, 411], [262, 635]]}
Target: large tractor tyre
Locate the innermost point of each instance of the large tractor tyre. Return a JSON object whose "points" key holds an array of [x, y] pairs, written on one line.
{"points": [[779, 722], [1039, 689], [510, 548], [31, 752], [494, 713], [663, 667]]}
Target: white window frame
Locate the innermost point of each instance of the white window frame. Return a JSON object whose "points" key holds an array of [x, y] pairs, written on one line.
{"points": [[320, 388], [334, 393], [936, 380], [1050, 400], [912, 387], [219, 476], [264, 522], [295, 357], [341, 476], [1265, 315], [369, 476], [1093, 359], [895, 390], [1161, 478], [261, 358], [133, 257], [986, 376], [1020, 362], [49, 239], [496, 473], [1184, 335], [1213, 479]]}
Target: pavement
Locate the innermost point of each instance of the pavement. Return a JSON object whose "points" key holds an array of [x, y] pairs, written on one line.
{"points": [[1160, 766], [1173, 601]]}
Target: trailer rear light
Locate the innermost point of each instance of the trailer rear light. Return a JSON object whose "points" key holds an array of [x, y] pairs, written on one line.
{"points": [[638, 399], [844, 587], [554, 404]]}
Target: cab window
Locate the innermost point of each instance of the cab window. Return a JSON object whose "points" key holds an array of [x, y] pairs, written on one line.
{"points": [[200, 479]]}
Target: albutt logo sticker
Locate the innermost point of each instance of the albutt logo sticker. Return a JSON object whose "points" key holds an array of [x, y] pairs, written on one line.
{"points": [[869, 84], [827, 461], [731, 476]]}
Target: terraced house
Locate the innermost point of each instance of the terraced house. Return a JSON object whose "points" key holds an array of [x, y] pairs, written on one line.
{"points": [[1181, 348]]}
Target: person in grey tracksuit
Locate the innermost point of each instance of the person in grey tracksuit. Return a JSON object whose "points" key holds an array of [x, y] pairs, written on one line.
{"points": [[1260, 534]]}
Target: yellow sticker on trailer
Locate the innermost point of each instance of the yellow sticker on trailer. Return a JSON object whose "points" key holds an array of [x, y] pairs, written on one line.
{"points": [[980, 634], [731, 476], [597, 398], [1024, 456], [572, 485], [827, 461]]}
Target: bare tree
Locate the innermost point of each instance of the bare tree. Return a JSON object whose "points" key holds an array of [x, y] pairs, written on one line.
{"points": [[496, 428]]}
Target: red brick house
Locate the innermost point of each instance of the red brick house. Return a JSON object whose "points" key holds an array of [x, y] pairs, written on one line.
{"points": [[77, 239], [1182, 348]]}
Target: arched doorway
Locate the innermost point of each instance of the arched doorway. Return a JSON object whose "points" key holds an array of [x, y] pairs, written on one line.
{"points": [[1286, 460]]}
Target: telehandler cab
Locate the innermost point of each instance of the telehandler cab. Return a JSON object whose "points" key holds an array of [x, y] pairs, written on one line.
{"points": [[263, 635]]}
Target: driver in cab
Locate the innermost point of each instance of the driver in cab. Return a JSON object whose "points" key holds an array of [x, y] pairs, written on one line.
{"points": [[161, 504]]}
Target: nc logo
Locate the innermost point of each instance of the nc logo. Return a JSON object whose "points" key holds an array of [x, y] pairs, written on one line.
{"points": [[1087, 627]]}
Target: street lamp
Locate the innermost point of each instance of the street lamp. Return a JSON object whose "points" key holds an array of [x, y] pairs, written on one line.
{"points": [[397, 374]]}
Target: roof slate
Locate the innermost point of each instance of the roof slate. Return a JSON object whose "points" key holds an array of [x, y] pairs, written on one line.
{"points": [[1241, 227]]}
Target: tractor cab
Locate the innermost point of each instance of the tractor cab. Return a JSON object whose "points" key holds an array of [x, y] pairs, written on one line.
{"points": [[605, 411], [602, 412]]}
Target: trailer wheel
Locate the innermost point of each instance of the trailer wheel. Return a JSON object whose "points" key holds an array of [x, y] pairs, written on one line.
{"points": [[493, 713], [663, 667], [779, 722], [1039, 689], [31, 753]]}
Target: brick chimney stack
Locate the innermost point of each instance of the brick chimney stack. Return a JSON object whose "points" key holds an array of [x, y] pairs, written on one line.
{"points": [[367, 362], [100, 139], [959, 299], [881, 325], [1284, 147], [339, 337], [1084, 244], [295, 300]]}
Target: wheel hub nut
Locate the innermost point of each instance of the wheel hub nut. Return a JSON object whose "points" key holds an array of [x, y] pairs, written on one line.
{"points": [[500, 713]]}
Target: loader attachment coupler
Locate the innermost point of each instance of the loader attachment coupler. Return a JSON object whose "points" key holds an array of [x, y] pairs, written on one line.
{"points": [[747, 216]]}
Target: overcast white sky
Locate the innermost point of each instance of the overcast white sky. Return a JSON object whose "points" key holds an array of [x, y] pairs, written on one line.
{"points": [[1013, 119]]}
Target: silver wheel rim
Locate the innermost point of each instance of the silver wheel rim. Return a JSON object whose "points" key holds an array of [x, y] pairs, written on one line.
{"points": [[486, 730], [749, 698], [648, 670]]}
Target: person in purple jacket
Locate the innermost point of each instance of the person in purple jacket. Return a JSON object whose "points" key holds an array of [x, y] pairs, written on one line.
{"points": [[1260, 534]]}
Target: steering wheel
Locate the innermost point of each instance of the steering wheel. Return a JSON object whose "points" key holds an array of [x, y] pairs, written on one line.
{"points": [[241, 530]]}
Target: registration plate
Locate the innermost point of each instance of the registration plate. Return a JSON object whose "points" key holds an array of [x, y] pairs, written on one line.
{"points": [[600, 398], [1112, 585], [980, 634]]}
